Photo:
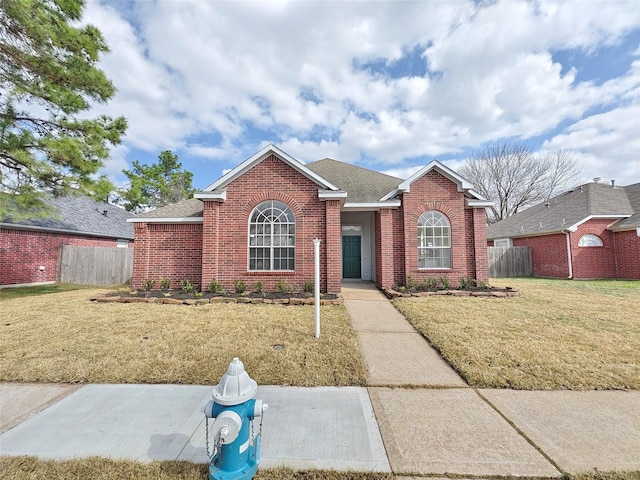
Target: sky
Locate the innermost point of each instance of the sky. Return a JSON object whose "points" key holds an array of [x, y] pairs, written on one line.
{"points": [[385, 85]]}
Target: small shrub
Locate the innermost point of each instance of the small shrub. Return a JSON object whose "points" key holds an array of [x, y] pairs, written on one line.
{"points": [[259, 287], [188, 287], [284, 287], [223, 292], [148, 285], [215, 286], [165, 284], [465, 283], [402, 288], [198, 294], [239, 285], [482, 284], [429, 283], [444, 281], [411, 282], [308, 286]]}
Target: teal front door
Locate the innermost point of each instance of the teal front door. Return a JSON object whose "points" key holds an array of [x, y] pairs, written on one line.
{"points": [[351, 257]]}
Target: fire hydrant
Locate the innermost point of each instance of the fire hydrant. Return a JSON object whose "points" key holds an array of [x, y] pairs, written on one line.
{"points": [[236, 453]]}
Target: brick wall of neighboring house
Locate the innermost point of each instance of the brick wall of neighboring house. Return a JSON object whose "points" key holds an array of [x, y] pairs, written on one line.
{"points": [[171, 251], [627, 246], [548, 254], [22, 252], [434, 191], [594, 262], [273, 179]]}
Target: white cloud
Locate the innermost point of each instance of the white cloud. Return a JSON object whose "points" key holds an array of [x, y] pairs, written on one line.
{"points": [[243, 74]]}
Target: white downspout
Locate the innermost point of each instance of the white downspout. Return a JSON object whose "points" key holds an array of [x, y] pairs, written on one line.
{"points": [[570, 263]]}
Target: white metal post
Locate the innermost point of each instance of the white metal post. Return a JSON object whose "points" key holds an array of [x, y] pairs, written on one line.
{"points": [[316, 282]]}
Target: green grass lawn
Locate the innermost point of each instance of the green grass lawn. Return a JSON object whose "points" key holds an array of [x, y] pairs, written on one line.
{"points": [[561, 334]]}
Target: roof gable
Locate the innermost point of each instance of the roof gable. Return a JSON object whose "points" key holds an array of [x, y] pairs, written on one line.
{"points": [[263, 154], [405, 186]]}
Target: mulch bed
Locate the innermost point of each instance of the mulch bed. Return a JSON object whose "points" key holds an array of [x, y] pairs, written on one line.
{"points": [[177, 297], [467, 292]]}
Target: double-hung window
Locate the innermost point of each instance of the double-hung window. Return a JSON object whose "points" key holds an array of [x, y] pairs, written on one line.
{"points": [[272, 237], [434, 240]]}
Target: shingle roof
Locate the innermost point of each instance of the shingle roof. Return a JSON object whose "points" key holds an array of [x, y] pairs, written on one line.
{"points": [[633, 194], [362, 185], [570, 208], [191, 208], [79, 214]]}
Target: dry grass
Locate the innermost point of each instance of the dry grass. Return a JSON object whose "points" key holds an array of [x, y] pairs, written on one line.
{"points": [[560, 335], [64, 337], [30, 468]]}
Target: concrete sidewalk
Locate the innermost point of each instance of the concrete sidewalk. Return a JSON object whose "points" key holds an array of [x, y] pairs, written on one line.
{"points": [[445, 427], [438, 426]]}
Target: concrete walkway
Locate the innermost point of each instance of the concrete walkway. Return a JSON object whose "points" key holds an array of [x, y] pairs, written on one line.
{"points": [[445, 427], [418, 417]]}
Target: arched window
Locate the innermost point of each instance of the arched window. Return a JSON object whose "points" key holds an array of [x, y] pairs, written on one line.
{"points": [[434, 240], [272, 237], [590, 240]]}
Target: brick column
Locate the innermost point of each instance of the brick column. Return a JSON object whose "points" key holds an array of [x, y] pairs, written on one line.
{"points": [[333, 247], [480, 244], [210, 236], [140, 255], [384, 248]]}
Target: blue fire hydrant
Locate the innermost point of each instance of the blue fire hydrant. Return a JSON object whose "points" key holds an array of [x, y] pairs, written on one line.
{"points": [[236, 453]]}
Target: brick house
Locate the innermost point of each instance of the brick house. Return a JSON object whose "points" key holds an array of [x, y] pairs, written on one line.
{"points": [[29, 248], [592, 231], [258, 222]]}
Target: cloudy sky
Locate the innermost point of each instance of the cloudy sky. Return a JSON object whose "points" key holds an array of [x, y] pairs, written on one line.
{"points": [[384, 85]]}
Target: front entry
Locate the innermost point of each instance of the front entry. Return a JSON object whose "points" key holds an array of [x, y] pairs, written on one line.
{"points": [[351, 257]]}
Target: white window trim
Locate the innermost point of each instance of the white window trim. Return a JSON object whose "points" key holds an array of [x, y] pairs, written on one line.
{"points": [[271, 247], [449, 248], [508, 242], [589, 238]]}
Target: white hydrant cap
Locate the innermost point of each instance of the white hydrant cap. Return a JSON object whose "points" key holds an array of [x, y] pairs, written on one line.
{"points": [[236, 386]]}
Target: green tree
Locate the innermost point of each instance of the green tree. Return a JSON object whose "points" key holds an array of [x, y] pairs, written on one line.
{"points": [[48, 82], [156, 185]]}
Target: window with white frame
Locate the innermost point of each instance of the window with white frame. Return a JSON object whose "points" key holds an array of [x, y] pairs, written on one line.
{"points": [[502, 242], [272, 237], [434, 240], [590, 240]]}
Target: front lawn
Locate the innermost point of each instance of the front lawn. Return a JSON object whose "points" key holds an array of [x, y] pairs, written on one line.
{"points": [[561, 334], [64, 337]]}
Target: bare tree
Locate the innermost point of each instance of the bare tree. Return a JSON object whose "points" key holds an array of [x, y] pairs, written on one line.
{"points": [[514, 178]]}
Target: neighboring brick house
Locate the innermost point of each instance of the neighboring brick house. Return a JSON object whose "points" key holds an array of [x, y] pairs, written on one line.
{"points": [[29, 248], [592, 231], [258, 222]]}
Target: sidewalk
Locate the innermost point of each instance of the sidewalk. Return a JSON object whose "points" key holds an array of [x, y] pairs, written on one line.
{"points": [[445, 427], [417, 417]]}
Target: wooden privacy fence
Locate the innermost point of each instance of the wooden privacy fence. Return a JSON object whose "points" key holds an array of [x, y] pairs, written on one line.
{"points": [[510, 262], [95, 265]]}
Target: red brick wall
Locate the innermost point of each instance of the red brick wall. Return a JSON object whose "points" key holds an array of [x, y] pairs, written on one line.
{"points": [[22, 252], [627, 245], [548, 254], [434, 191], [594, 262], [172, 251], [385, 254], [272, 179]]}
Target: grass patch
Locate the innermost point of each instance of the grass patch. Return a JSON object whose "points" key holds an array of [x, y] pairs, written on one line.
{"points": [[31, 468], [561, 334], [20, 292], [66, 338]]}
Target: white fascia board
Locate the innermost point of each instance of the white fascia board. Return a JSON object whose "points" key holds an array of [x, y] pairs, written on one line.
{"points": [[331, 194], [443, 169], [258, 157], [165, 220], [219, 196], [638, 231], [390, 195], [575, 226], [477, 203], [35, 228], [370, 206]]}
